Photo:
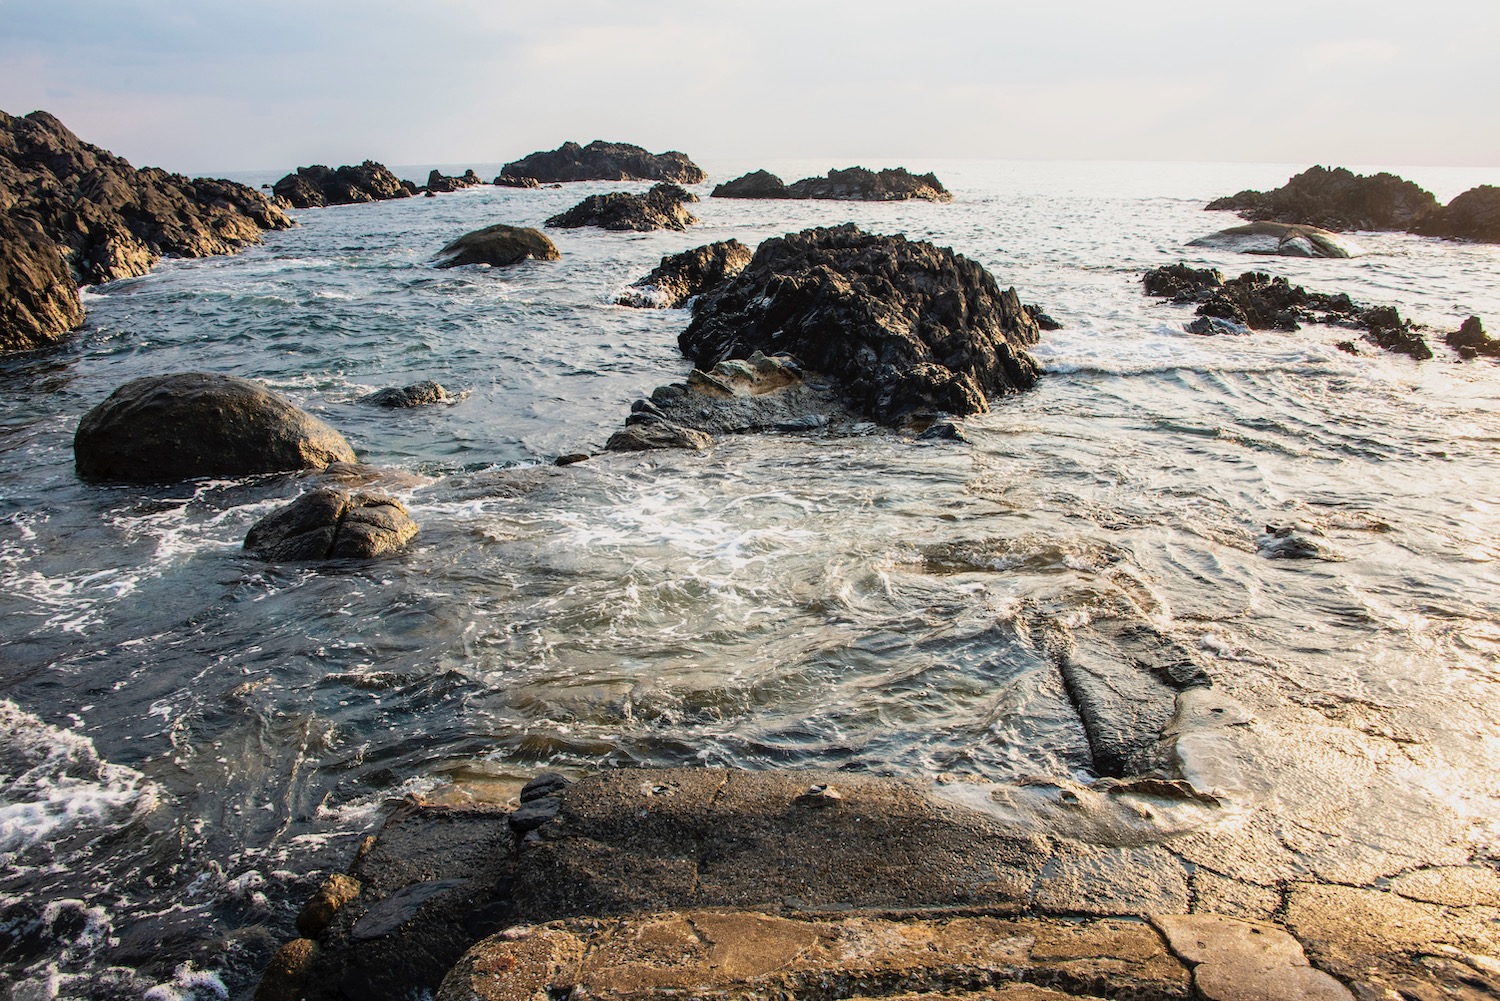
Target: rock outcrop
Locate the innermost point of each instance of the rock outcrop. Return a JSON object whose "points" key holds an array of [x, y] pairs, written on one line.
{"points": [[605, 161], [77, 214], [1258, 301], [1471, 341], [1473, 215], [901, 327], [1279, 239], [318, 185], [442, 184], [327, 524], [679, 277], [498, 246], [510, 181], [850, 184], [168, 428], [418, 394], [1337, 199], [659, 208]]}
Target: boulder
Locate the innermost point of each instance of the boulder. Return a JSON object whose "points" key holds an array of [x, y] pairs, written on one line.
{"points": [[659, 208], [606, 161], [418, 394], [679, 277], [167, 428], [498, 246], [510, 181], [76, 214], [1279, 239], [1471, 341], [1336, 199], [318, 185], [900, 326], [328, 524], [892, 184], [1473, 215], [657, 435], [756, 184]]}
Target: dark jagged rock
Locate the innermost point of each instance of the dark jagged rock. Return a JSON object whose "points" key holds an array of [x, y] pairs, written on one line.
{"points": [[318, 185], [1471, 341], [1337, 199], [77, 214], [498, 246], [1043, 321], [330, 524], [900, 326], [442, 184], [1279, 239], [892, 184], [1261, 302], [167, 428], [606, 161], [418, 394], [1473, 215], [510, 181], [756, 184], [679, 277], [659, 208]]}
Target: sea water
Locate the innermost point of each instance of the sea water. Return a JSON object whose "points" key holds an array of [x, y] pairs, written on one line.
{"points": [[191, 738]]}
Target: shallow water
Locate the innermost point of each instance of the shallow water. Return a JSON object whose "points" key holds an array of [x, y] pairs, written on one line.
{"points": [[192, 736]]}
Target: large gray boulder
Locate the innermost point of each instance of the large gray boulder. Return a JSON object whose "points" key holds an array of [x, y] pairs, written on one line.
{"points": [[331, 524], [167, 428], [498, 246], [1279, 239]]}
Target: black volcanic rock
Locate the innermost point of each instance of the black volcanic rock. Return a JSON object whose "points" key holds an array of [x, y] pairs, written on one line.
{"points": [[78, 214], [679, 277], [1258, 301], [162, 429], [756, 184], [1337, 199], [659, 208], [1471, 341], [902, 326], [892, 184], [318, 185], [1473, 215], [605, 161], [498, 246], [442, 184], [510, 181]]}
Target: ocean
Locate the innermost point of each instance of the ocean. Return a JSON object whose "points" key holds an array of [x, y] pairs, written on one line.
{"points": [[190, 739]]}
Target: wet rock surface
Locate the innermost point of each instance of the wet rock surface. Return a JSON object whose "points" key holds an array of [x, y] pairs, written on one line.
{"points": [[605, 161], [418, 394], [444, 184], [1258, 301], [659, 208], [176, 427], [498, 246], [899, 326], [327, 524], [1336, 199], [679, 277], [77, 214], [856, 184], [319, 185], [1280, 240], [1471, 341]]}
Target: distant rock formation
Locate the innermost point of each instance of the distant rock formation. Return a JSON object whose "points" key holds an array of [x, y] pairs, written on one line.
{"points": [[605, 161], [498, 246], [441, 183], [510, 181], [1279, 239], [162, 429], [77, 214], [328, 524], [318, 186], [679, 277], [892, 184], [1471, 341], [1258, 301], [659, 208], [1473, 215], [1336, 199], [903, 327]]}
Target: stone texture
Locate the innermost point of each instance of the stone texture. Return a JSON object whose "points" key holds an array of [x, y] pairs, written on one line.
{"points": [[858, 184], [317, 914], [605, 161], [659, 208], [327, 524], [40, 304], [1279, 239], [657, 435], [285, 979], [418, 394], [1473, 215], [318, 185], [498, 246], [176, 427], [1336, 199], [679, 277], [1244, 961], [756, 184]]}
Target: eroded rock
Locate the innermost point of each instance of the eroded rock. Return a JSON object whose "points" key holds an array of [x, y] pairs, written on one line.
{"points": [[443, 184], [319, 185], [326, 524], [1337, 199], [605, 161], [679, 277], [498, 246], [659, 208], [418, 394], [756, 184], [891, 184], [1473, 215]]}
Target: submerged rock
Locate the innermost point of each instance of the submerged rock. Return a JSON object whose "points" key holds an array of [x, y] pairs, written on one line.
{"points": [[679, 277], [659, 208], [605, 161], [1279, 239], [1336, 199], [330, 524], [318, 185], [756, 184], [498, 246], [167, 428], [418, 394], [899, 326], [1473, 215]]}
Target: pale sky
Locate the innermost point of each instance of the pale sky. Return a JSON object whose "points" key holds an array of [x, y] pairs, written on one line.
{"points": [[214, 86]]}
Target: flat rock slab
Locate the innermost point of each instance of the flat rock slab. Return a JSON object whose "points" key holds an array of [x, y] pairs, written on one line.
{"points": [[1246, 961], [745, 955]]}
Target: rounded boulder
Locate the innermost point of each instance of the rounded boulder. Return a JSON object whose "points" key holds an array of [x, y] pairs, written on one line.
{"points": [[327, 524]]}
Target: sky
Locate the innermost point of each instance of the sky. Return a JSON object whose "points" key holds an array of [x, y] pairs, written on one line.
{"points": [[217, 86]]}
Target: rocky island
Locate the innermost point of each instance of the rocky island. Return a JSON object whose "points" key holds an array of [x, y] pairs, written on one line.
{"points": [[659, 208], [604, 161], [318, 186], [852, 184]]}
